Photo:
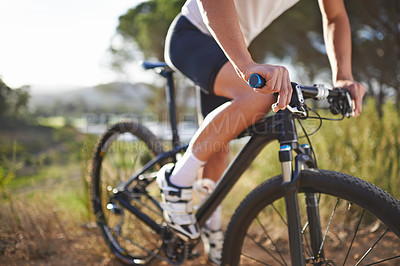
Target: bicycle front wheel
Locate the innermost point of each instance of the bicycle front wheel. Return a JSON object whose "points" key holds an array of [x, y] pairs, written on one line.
{"points": [[360, 224], [121, 152]]}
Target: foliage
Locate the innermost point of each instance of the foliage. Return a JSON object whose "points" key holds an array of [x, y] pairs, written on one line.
{"points": [[147, 24], [297, 37], [367, 147], [13, 102], [8, 170], [376, 52]]}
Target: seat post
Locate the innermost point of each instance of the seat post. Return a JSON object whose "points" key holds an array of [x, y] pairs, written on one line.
{"points": [[170, 95]]}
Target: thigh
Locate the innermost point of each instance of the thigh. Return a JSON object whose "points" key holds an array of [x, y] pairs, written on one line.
{"points": [[195, 54], [209, 102], [198, 57], [228, 84]]}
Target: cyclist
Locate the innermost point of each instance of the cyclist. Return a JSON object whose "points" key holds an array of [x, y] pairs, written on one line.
{"points": [[208, 43]]}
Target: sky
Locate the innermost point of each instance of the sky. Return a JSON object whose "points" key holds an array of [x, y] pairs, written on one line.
{"points": [[55, 44]]}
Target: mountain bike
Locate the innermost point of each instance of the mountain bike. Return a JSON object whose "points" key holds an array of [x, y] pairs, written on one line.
{"points": [[303, 216]]}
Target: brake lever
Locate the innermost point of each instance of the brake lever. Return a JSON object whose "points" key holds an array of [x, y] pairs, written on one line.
{"points": [[350, 106], [296, 105], [293, 110], [342, 104]]}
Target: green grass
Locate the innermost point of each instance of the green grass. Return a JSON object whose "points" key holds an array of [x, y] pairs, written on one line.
{"points": [[52, 166], [59, 184], [366, 147]]}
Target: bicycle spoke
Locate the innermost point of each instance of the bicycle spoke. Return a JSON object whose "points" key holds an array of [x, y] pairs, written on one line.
{"points": [[263, 248], [273, 243], [140, 229], [118, 154], [354, 236], [119, 225], [113, 161], [347, 233], [377, 262], [249, 257], [327, 228], [304, 227], [280, 215], [370, 249], [308, 250], [146, 250], [133, 164]]}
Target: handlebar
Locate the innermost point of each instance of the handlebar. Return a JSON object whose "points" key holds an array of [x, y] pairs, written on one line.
{"points": [[339, 99]]}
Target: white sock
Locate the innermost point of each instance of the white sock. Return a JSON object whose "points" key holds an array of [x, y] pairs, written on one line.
{"points": [[186, 169], [214, 223], [204, 187]]}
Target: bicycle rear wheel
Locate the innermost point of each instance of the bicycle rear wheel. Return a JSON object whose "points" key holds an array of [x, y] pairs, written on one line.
{"points": [[360, 224], [122, 151]]}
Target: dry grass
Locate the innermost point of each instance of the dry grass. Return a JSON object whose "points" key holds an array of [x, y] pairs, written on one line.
{"points": [[35, 232]]}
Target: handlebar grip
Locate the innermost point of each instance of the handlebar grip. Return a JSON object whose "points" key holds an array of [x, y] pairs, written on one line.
{"points": [[256, 81]]}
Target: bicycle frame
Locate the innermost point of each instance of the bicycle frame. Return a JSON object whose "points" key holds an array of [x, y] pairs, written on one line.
{"points": [[280, 127], [170, 96]]}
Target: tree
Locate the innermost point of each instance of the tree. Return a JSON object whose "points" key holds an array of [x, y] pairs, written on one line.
{"points": [[376, 51], [147, 25], [13, 102], [296, 36], [4, 92]]}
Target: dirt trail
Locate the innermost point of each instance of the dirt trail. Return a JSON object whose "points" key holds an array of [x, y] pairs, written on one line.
{"points": [[84, 248]]}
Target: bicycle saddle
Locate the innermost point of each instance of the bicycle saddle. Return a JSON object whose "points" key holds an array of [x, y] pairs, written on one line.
{"points": [[151, 65]]}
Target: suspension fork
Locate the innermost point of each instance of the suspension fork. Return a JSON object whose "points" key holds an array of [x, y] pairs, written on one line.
{"points": [[303, 161], [288, 139], [290, 186]]}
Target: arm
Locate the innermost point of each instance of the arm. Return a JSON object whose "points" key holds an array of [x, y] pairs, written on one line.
{"points": [[222, 21], [337, 37]]}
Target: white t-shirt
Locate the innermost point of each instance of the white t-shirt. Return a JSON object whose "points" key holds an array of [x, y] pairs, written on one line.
{"points": [[254, 15]]}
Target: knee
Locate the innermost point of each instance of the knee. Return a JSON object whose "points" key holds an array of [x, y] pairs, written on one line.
{"points": [[256, 103]]}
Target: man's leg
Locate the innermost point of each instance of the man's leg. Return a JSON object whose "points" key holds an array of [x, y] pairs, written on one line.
{"points": [[218, 129], [232, 118], [216, 165], [212, 235], [213, 171]]}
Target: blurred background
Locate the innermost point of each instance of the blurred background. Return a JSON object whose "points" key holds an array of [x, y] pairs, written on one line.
{"points": [[68, 69]]}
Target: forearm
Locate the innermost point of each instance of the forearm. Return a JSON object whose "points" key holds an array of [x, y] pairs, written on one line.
{"points": [[337, 37], [221, 19]]}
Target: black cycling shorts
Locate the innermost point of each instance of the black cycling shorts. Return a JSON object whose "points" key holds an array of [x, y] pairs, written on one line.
{"points": [[197, 56]]}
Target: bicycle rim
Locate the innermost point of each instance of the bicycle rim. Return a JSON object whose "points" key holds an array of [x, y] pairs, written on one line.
{"points": [[355, 230], [122, 151]]}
